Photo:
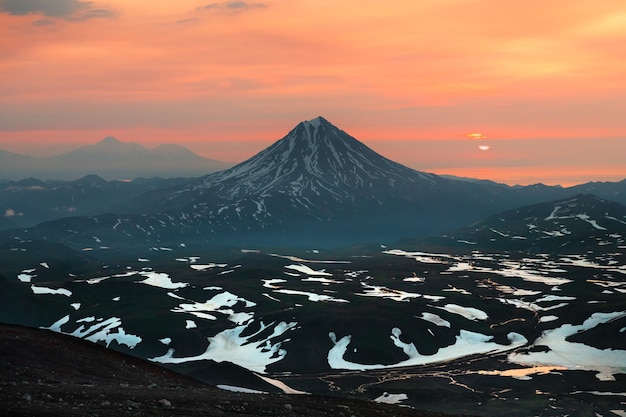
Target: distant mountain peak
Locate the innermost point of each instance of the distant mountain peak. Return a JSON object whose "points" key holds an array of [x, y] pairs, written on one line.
{"points": [[317, 121], [315, 160], [110, 140], [92, 179]]}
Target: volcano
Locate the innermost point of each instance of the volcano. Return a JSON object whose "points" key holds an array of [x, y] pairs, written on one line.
{"points": [[321, 185], [316, 186]]}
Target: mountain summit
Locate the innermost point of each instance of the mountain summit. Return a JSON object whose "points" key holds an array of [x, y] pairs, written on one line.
{"points": [[320, 184], [109, 140], [315, 159]]}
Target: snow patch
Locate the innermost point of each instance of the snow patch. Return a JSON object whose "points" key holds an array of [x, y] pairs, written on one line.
{"points": [[387, 398], [161, 280], [467, 343], [435, 319], [198, 267], [282, 386], [106, 331], [240, 389], [25, 277], [45, 290], [577, 356], [469, 313], [313, 296], [247, 351], [308, 271]]}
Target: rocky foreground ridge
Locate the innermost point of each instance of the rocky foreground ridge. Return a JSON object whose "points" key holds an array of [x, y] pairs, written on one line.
{"points": [[49, 374]]}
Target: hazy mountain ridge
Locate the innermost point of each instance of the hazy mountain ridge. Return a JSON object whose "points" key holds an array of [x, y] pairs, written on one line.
{"points": [[113, 160], [316, 185], [318, 173], [580, 223], [30, 201]]}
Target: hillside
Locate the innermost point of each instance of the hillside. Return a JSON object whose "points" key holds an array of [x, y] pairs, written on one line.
{"points": [[583, 223], [44, 373]]}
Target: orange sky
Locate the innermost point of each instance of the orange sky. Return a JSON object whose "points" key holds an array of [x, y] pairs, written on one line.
{"points": [[544, 81]]}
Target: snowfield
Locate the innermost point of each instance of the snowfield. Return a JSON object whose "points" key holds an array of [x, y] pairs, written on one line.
{"points": [[420, 309], [467, 343]]}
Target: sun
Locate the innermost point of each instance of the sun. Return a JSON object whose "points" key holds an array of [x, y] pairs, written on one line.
{"points": [[481, 137], [476, 136]]}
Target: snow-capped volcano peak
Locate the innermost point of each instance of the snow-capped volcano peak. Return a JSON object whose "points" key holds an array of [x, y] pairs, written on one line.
{"points": [[316, 122], [321, 181], [314, 156]]}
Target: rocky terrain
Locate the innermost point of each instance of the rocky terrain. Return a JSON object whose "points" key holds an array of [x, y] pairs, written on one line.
{"points": [[49, 374]]}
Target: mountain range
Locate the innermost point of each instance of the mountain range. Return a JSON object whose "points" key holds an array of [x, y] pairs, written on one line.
{"points": [[30, 201], [112, 160], [516, 307], [317, 185]]}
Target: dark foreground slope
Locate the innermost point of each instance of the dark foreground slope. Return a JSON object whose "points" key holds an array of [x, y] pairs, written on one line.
{"points": [[48, 374]]}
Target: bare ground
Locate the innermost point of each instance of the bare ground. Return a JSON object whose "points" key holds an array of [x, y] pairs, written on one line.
{"points": [[43, 373]]}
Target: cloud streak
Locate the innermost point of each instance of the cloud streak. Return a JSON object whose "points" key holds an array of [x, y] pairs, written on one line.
{"points": [[72, 10], [231, 6]]}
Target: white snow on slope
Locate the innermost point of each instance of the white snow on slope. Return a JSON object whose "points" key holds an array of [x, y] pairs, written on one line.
{"points": [[269, 283], [98, 280], [282, 386], [218, 303], [577, 356], [314, 261], [313, 296], [199, 267], [469, 313], [308, 271], [230, 346], [25, 277], [45, 290], [517, 270], [435, 319], [467, 343], [161, 280], [423, 257], [527, 305], [102, 331], [387, 398], [232, 388], [384, 292]]}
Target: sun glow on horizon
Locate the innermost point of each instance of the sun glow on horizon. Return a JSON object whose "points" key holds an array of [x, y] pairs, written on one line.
{"points": [[162, 72]]}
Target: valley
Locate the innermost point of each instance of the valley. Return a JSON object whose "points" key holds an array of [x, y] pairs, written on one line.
{"points": [[492, 331]]}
